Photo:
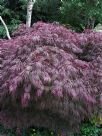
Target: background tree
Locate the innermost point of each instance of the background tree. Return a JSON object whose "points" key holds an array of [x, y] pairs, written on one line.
{"points": [[44, 10], [47, 10], [81, 14], [29, 12]]}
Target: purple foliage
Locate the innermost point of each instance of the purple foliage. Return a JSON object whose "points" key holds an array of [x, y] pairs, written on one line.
{"points": [[50, 77]]}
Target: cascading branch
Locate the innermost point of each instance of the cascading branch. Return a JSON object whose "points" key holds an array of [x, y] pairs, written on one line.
{"points": [[50, 77]]}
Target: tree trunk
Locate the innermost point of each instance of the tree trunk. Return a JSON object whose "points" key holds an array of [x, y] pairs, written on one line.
{"points": [[91, 23], [29, 12], [7, 32]]}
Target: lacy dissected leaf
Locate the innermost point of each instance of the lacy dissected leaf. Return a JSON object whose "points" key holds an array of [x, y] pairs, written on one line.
{"points": [[52, 71]]}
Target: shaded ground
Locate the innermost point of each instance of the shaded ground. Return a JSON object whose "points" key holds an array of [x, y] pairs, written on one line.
{"points": [[87, 129]]}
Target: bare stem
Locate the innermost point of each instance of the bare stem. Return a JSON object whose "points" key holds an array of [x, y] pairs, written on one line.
{"points": [[7, 32]]}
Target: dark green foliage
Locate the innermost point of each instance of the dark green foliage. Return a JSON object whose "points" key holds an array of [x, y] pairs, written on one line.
{"points": [[13, 13], [90, 130], [47, 10], [87, 129], [27, 132], [10, 27], [81, 14]]}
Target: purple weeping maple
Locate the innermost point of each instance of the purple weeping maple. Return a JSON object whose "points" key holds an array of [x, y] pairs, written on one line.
{"points": [[50, 77]]}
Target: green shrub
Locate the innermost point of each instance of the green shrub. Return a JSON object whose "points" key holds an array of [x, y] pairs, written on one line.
{"points": [[46, 10], [81, 14], [11, 29], [11, 19], [87, 129]]}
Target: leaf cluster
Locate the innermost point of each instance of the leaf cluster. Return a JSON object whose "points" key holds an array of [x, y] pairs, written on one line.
{"points": [[49, 71]]}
